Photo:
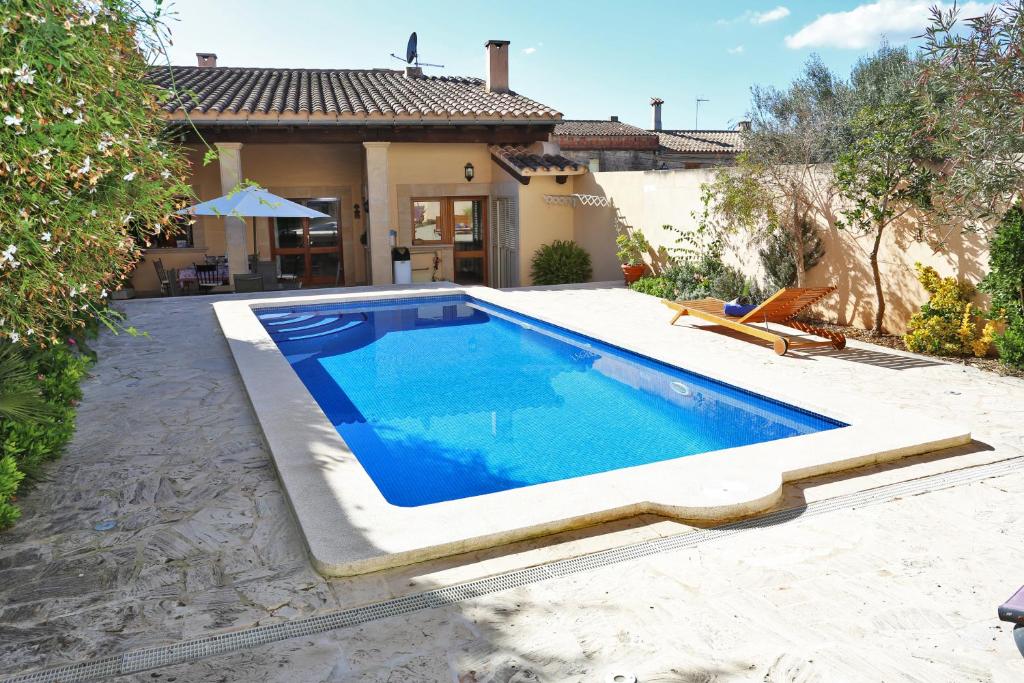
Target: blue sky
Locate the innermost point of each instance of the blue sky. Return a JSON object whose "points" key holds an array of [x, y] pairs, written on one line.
{"points": [[589, 59]]}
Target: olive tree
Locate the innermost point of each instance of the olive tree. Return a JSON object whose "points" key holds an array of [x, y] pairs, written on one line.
{"points": [[971, 76], [781, 182], [886, 171]]}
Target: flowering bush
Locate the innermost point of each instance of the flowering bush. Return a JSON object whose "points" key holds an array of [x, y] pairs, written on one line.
{"points": [[86, 175], [947, 325]]}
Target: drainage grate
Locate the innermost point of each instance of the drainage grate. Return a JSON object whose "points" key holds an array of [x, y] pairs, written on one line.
{"points": [[200, 648]]}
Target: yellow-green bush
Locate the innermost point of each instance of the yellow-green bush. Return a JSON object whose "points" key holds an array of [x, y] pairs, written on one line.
{"points": [[947, 325]]}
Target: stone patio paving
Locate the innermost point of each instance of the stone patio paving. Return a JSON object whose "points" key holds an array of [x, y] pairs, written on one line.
{"points": [[168, 447]]}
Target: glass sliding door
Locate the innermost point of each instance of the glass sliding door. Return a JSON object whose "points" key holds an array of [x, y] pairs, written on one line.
{"points": [[309, 249], [460, 222], [468, 226]]}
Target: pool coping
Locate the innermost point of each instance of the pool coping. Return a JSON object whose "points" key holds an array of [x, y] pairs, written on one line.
{"points": [[350, 528]]}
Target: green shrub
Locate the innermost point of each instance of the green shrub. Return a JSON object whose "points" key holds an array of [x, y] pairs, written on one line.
{"points": [[1005, 284], [1010, 342], [27, 443], [561, 262], [777, 255], [696, 279], [947, 324], [10, 477], [655, 286]]}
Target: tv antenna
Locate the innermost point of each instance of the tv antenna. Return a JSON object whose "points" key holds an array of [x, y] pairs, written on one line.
{"points": [[412, 56], [696, 116]]}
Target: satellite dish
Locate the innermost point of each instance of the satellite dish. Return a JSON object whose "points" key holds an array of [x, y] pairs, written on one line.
{"points": [[410, 49], [412, 55]]}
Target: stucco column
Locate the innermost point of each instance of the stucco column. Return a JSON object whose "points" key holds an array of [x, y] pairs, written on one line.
{"points": [[235, 243], [379, 216]]}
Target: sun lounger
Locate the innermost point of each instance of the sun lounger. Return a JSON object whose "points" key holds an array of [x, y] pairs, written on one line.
{"points": [[781, 308]]}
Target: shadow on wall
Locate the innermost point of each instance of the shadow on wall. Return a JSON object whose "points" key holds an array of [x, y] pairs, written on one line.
{"points": [[846, 265]]}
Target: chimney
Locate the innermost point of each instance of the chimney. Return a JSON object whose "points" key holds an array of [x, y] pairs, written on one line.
{"points": [[743, 126], [413, 71], [656, 102], [615, 119], [497, 65], [207, 60]]}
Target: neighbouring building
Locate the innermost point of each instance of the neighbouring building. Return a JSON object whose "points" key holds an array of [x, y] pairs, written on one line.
{"points": [[616, 146], [458, 169]]}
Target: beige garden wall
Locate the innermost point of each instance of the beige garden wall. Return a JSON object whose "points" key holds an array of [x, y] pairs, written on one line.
{"points": [[650, 199]]}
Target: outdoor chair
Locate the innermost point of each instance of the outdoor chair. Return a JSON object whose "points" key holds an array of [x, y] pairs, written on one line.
{"points": [[161, 276], [268, 271], [208, 276], [781, 308], [174, 284]]}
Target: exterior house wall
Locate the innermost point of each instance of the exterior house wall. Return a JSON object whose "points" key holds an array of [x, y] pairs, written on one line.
{"points": [[415, 170], [539, 222], [299, 171], [649, 200]]}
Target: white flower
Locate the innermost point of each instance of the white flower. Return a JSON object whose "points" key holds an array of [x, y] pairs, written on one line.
{"points": [[25, 75], [12, 120], [7, 257], [165, 174], [93, 213], [45, 237], [14, 337], [67, 111], [79, 120], [86, 166], [74, 291], [128, 219], [103, 293], [130, 176], [80, 102], [29, 332]]}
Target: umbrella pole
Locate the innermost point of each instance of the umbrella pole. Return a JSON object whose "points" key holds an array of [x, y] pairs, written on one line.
{"points": [[255, 247]]}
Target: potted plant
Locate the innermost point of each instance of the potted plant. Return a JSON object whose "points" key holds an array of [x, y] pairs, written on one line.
{"points": [[631, 249]]}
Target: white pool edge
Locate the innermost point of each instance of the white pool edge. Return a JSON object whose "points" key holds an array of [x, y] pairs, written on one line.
{"points": [[350, 528]]}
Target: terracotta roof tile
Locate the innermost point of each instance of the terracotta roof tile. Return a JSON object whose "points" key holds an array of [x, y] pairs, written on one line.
{"points": [[588, 127], [702, 141], [232, 92], [523, 160]]}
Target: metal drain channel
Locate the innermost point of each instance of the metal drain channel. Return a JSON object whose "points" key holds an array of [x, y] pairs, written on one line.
{"points": [[193, 650]]}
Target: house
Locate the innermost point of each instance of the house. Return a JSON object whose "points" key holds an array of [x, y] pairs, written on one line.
{"points": [[454, 168], [616, 146]]}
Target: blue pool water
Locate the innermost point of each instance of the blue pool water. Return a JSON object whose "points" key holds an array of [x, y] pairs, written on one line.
{"points": [[450, 397]]}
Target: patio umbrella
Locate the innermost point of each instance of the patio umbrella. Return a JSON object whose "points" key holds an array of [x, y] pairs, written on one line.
{"points": [[252, 201]]}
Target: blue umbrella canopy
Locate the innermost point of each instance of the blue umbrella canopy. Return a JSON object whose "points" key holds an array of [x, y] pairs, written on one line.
{"points": [[252, 201]]}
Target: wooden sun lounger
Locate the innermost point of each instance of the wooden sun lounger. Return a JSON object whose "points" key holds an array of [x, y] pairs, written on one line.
{"points": [[781, 308]]}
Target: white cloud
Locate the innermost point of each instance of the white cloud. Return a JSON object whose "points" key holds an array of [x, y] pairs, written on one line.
{"points": [[738, 50], [780, 12], [771, 15], [529, 50], [865, 25]]}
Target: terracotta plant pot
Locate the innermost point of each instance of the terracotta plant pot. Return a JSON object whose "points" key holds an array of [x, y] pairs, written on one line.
{"points": [[633, 273]]}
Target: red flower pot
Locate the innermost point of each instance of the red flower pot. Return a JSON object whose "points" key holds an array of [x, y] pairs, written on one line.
{"points": [[633, 273]]}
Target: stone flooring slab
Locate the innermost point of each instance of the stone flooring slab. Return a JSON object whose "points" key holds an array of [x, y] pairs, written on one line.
{"points": [[168, 448]]}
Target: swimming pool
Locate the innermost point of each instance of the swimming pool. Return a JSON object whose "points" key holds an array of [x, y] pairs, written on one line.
{"points": [[448, 397]]}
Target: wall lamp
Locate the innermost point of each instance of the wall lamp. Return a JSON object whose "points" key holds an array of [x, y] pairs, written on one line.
{"points": [[470, 172]]}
